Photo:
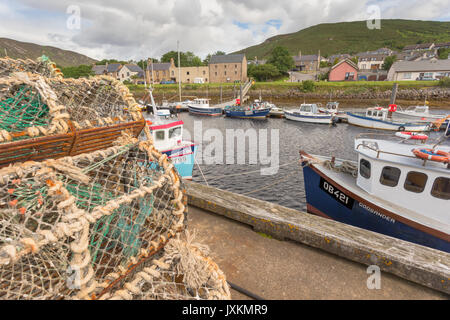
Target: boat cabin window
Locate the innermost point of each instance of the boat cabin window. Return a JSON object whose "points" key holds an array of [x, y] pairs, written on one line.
{"points": [[415, 181], [174, 132], [369, 113], [159, 135], [390, 176], [364, 168], [441, 188], [305, 108]]}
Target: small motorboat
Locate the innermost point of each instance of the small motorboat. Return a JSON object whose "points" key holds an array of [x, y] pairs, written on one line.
{"points": [[418, 114], [379, 118], [309, 112], [202, 107]]}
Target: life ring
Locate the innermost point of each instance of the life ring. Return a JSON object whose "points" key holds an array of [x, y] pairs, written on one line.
{"points": [[401, 128], [411, 135], [392, 108], [429, 154]]}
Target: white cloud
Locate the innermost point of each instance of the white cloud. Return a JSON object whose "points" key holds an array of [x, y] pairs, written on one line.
{"points": [[134, 29]]}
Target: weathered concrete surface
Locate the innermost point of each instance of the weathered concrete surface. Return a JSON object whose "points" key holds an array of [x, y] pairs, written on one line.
{"points": [[276, 269], [415, 263]]}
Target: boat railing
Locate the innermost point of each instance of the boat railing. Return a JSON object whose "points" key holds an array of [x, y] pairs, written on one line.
{"points": [[378, 151]]}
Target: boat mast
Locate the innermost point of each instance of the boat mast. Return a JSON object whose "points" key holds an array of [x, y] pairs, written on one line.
{"points": [[179, 70]]}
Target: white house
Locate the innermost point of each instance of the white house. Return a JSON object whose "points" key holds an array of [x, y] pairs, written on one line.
{"points": [[416, 70], [371, 61], [129, 70]]}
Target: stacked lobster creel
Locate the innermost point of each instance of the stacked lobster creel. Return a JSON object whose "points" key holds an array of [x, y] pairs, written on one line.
{"points": [[97, 223], [72, 227], [42, 118]]}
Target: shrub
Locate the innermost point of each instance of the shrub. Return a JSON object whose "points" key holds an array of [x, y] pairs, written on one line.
{"points": [[444, 82], [307, 86]]}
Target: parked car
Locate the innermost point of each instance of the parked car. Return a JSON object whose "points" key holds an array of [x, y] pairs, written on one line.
{"points": [[425, 79], [167, 82]]}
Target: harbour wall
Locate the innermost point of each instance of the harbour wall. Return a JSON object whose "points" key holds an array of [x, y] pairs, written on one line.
{"points": [[428, 267]]}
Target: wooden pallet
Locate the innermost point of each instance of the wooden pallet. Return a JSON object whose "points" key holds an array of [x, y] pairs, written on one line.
{"points": [[70, 144]]}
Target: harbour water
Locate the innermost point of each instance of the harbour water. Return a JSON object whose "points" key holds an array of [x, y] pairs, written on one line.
{"points": [[286, 187]]}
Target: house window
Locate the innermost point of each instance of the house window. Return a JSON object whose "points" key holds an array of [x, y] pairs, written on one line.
{"points": [[128, 74], [187, 73], [173, 73], [441, 188], [225, 73], [235, 66], [235, 72], [407, 75], [390, 176], [216, 73], [225, 66], [415, 181], [216, 66], [204, 72], [364, 168]]}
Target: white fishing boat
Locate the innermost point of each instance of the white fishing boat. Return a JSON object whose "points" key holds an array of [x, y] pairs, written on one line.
{"points": [[397, 188], [330, 107], [309, 112], [276, 112], [202, 107], [417, 113], [378, 118]]}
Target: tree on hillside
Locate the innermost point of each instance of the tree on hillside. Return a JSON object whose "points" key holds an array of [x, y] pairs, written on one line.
{"points": [[188, 59], [263, 72], [388, 62], [336, 60], [82, 71], [281, 59]]}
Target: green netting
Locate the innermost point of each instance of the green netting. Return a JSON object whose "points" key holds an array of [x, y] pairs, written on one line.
{"points": [[22, 111]]}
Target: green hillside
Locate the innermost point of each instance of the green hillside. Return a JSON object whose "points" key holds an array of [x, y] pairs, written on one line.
{"points": [[23, 50], [353, 37]]}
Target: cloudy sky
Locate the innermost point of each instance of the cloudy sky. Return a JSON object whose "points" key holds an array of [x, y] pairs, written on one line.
{"points": [[134, 29]]}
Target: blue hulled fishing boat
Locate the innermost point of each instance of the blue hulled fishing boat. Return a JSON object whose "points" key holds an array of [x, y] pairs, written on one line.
{"points": [[397, 188], [256, 110]]}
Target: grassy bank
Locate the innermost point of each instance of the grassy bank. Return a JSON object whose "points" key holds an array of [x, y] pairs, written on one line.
{"points": [[283, 86]]}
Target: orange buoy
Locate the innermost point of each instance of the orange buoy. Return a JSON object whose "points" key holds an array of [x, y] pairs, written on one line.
{"points": [[430, 154]]}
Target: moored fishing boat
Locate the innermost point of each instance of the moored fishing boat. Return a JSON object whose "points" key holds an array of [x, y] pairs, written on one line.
{"points": [[309, 113], [398, 188], [419, 114], [276, 112], [167, 134], [202, 107], [378, 118], [256, 110]]}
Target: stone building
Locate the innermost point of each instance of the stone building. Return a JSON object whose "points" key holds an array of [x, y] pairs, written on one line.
{"points": [[228, 68], [191, 74], [161, 71]]}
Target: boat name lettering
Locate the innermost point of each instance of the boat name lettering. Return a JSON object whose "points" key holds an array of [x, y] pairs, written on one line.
{"points": [[376, 213]]}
